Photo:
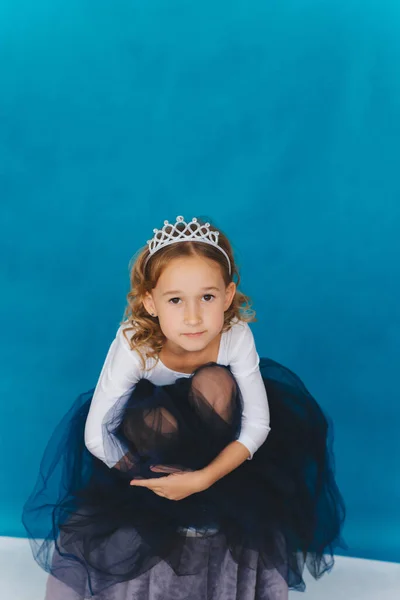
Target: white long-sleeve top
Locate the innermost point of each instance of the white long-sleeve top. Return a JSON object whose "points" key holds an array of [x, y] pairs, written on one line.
{"points": [[122, 370]]}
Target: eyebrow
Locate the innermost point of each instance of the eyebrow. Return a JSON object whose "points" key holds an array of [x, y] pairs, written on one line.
{"points": [[180, 291]]}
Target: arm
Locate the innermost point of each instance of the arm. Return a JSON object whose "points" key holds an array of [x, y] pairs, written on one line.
{"points": [[245, 368], [180, 485], [233, 455], [118, 377]]}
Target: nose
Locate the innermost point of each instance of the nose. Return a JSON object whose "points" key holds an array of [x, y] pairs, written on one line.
{"points": [[192, 314]]}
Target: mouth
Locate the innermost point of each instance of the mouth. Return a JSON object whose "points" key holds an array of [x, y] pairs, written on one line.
{"points": [[194, 334]]}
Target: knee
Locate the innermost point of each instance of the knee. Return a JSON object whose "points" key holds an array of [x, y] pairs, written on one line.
{"points": [[216, 386], [160, 420], [149, 428]]}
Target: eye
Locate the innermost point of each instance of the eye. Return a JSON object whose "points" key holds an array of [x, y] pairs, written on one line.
{"points": [[171, 300]]}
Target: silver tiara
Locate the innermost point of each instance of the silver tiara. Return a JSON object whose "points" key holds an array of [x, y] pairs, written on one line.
{"points": [[198, 233]]}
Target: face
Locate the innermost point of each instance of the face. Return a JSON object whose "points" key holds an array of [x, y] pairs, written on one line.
{"points": [[190, 297]]}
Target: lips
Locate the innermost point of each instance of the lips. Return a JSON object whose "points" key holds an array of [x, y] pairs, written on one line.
{"points": [[193, 334]]}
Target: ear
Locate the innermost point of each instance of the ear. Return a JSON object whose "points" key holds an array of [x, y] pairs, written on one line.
{"points": [[229, 294], [149, 305]]}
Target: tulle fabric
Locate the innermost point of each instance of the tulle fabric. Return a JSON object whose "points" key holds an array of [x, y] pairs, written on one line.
{"points": [[90, 529]]}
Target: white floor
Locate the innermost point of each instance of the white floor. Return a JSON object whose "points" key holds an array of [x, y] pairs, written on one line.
{"points": [[350, 579]]}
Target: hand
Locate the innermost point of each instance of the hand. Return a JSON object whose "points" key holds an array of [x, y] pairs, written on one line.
{"points": [[178, 484]]}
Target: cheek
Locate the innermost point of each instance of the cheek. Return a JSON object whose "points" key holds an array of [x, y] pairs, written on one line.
{"points": [[167, 315], [217, 313]]}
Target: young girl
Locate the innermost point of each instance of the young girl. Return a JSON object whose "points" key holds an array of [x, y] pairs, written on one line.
{"points": [[194, 470]]}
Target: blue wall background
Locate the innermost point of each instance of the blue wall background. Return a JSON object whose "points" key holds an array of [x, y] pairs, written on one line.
{"points": [[278, 119]]}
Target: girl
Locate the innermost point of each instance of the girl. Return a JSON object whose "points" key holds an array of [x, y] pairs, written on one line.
{"points": [[194, 469]]}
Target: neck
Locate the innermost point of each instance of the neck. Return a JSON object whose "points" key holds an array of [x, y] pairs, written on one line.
{"points": [[178, 359]]}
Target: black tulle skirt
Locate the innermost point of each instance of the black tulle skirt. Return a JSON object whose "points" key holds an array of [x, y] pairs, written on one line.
{"points": [[90, 529]]}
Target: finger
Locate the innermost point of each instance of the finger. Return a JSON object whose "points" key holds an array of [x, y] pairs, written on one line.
{"points": [[169, 469], [163, 469], [142, 482]]}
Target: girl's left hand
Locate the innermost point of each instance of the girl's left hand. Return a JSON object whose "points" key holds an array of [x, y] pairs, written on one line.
{"points": [[176, 485]]}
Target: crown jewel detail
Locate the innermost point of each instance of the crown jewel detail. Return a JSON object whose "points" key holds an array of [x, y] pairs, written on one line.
{"points": [[192, 231]]}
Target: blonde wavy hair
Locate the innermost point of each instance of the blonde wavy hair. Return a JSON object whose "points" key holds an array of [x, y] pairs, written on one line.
{"points": [[147, 338]]}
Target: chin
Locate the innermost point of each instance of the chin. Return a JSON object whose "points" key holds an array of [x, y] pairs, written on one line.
{"points": [[199, 342]]}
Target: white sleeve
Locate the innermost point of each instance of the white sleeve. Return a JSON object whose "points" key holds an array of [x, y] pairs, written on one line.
{"points": [[244, 364], [119, 375]]}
